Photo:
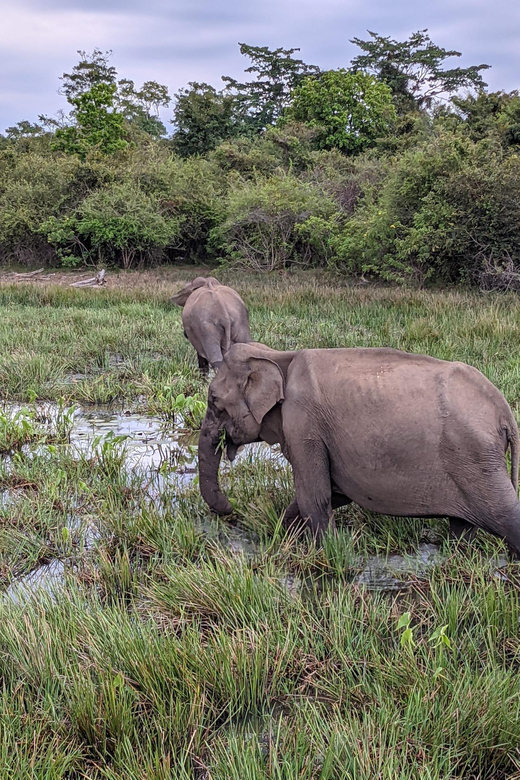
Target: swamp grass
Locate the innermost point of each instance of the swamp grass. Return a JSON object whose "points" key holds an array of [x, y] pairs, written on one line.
{"points": [[170, 651]]}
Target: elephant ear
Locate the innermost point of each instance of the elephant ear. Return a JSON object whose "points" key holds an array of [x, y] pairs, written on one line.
{"points": [[182, 296], [264, 387]]}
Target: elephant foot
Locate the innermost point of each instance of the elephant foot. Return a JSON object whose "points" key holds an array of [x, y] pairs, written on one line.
{"points": [[291, 519], [461, 529]]}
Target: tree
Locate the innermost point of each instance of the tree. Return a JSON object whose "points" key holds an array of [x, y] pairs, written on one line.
{"points": [[203, 118], [139, 107], [97, 123], [413, 69], [263, 100], [491, 113], [23, 129], [349, 110], [91, 70]]}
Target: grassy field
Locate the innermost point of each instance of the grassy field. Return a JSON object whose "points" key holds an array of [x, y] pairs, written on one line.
{"points": [[168, 651]]}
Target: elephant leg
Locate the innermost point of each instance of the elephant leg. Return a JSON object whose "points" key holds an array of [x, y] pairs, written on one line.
{"points": [[313, 487], [203, 365], [461, 529], [292, 515], [507, 524], [496, 510]]}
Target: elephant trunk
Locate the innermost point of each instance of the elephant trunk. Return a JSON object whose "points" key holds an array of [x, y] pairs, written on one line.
{"points": [[210, 454]]}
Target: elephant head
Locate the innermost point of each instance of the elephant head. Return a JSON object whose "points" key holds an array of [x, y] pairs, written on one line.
{"points": [[248, 385], [182, 296]]}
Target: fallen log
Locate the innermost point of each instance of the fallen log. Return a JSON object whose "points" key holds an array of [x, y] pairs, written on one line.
{"points": [[36, 279], [26, 274], [95, 281]]}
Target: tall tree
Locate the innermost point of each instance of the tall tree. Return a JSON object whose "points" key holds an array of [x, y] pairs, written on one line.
{"points": [[92, 69], [349, 110], [139, 107], [97, 123], [203, 118], [413, 69], [23, 129], [491, 113], [264, 99]]}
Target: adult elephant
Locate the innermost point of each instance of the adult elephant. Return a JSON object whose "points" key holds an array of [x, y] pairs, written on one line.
{"points": [[396, 433], [214, 317]]}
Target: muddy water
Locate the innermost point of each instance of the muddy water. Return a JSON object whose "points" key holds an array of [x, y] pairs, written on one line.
{"points": [[163, 454], [387, 573], [149, 443], [45, 580]]}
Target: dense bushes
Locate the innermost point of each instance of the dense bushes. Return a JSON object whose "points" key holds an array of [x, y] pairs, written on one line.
{"points": [[33, 187], [117, 223], [269, 223], [439, 203], [446, 211], [134, 208]]}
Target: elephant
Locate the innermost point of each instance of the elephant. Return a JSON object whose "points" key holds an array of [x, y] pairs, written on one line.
{"points": [[214, 317], [397, 433]]}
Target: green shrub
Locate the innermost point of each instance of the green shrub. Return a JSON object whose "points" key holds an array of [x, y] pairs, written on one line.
{"points": [[119, 223], [249, 157], [33, 187], [194, 195], [445, 210], [269, 223]]}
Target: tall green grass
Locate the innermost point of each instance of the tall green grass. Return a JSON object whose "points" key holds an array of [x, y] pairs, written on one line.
{"points": [[182, 646]]}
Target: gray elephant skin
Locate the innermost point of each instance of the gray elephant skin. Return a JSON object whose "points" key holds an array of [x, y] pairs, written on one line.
{"points": [[214, 317], [397, 433]]}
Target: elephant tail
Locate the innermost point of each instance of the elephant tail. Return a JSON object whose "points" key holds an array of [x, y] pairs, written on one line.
{"points": [[512, 435]]}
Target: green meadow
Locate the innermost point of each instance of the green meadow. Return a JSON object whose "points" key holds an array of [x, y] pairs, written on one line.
{"points": [[155, 641]]}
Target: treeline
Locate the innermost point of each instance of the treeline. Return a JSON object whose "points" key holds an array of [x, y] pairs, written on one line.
{"points": [[395, 167]]}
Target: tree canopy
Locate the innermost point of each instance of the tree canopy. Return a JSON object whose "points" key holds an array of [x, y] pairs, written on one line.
{"points": [[96, 123], [203, 118], [413, 69], [263, 100], [349, 110], [93, 81]]}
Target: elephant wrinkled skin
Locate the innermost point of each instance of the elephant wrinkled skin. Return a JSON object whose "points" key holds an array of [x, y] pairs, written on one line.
{"points": [[214, 317], [396, 433]]}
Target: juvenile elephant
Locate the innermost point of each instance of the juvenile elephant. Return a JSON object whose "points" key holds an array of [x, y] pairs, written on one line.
{"points": [[394, 432], [214, 317]]}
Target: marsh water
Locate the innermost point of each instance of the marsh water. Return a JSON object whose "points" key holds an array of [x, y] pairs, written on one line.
{"points": [[166, 455]]}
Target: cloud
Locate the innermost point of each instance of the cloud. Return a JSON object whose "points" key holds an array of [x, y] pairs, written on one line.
{"points": [[177, 41]]}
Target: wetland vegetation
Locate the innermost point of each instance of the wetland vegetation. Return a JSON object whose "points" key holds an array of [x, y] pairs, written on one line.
{"points": [[142, 637]]}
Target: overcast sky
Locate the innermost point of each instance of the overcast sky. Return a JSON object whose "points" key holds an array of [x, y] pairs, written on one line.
{"points": [[177, 41]]}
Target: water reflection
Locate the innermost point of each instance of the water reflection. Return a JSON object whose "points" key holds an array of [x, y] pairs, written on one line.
{"points": [[45, 580], [150, 442], [382, 572]]}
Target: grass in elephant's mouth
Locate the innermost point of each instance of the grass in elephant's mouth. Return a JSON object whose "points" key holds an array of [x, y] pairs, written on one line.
{"points": [[167, 652]]}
